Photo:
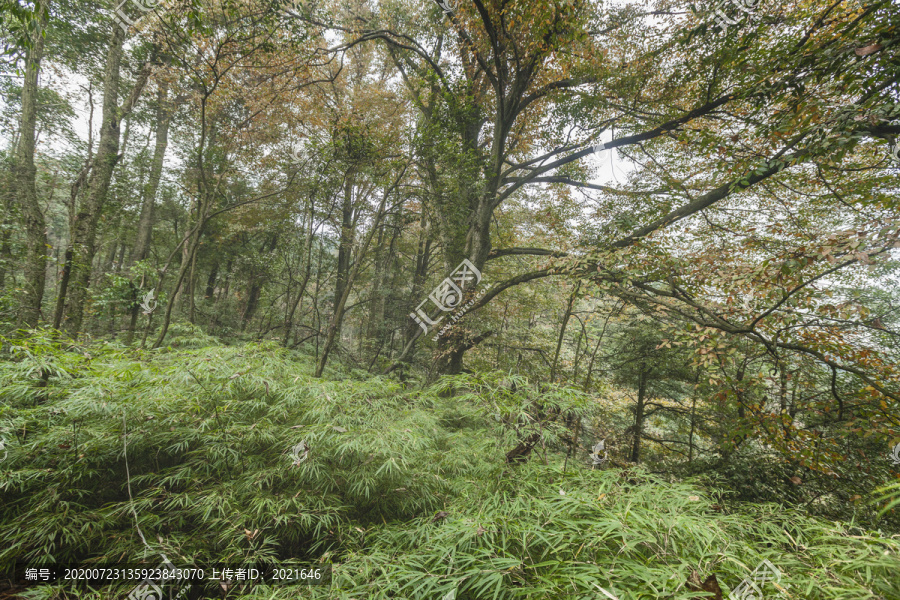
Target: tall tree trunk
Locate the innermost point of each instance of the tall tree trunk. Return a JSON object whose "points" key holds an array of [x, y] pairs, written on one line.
{"points": [[340, 303], [192, 285], [307, 251], [413, 331], [423, 261], [345, 249], [369, 336], [141, 249], [88, 214], [25, 175]]}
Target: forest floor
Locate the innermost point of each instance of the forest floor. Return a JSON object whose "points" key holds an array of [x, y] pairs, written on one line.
{"points": [[218, 456]]}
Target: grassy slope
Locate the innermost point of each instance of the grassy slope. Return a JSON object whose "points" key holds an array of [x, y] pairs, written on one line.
{"points": [[209, 431]]}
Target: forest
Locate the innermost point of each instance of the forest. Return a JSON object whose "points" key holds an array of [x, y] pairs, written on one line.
{"points": [[450, 299]]}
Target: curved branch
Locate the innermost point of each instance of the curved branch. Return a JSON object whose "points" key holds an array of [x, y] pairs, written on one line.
{"points": [[488, 296], [500, 252]]}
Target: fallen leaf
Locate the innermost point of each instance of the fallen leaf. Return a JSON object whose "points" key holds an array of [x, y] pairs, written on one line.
{"points": [[441, 515], [710, 584], [340, 429], [796, 480]]}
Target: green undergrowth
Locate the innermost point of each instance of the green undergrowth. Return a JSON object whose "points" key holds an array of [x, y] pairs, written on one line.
{"points": [[203, 451]]}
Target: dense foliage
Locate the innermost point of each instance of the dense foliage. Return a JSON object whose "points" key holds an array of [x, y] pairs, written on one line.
{"points": [[407, 492]]}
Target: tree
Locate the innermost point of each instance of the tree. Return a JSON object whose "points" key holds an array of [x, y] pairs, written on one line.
{"points": [[90, 209], [25, 172]]}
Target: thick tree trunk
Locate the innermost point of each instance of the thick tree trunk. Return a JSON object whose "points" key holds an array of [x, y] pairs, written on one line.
{"points": [[25, 174], [88, 214], [141, 249]]}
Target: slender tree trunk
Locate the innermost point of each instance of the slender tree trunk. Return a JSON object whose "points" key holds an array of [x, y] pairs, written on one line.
{"points": [[256, 286], [211, 281], [192, 242], [113, 250], [6, 258], [25, 175], [639, 417], [307, 251], [316, 311], [578, 355], [587, 378], [423, 260], [192, 285], [562, 332], [141, 248], [376, 301], [63, 286], [334, 326], [345, 249], [691, 435]]}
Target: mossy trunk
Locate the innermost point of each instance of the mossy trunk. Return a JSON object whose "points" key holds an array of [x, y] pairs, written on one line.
{"points": [[25, 174]]}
